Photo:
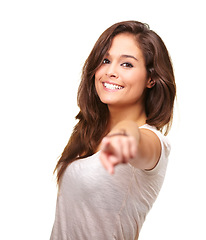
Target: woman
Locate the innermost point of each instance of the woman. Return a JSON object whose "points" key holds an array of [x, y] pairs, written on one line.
{"points": [[114, 164]]}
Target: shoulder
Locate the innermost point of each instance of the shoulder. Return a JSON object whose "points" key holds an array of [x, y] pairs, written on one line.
{"points": [[164, 140], [156, 136]]}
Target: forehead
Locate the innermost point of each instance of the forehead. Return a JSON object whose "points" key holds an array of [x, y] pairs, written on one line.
{"points": [[124, 43]]}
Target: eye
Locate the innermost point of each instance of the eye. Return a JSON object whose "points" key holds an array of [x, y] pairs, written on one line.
{"points": [[127, 65], [105, 61]]}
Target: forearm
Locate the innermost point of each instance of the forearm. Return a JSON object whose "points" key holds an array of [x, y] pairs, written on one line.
{"points": [[129, 127], [145, 145]]}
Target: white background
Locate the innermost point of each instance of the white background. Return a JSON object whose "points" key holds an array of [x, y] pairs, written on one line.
{"points": [[43, 45]]}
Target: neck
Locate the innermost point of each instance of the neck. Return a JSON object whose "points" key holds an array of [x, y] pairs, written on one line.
{"points": [[132, 113]]}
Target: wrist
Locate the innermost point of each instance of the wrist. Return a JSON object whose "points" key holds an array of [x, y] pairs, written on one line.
{"points": [[121, 132]]}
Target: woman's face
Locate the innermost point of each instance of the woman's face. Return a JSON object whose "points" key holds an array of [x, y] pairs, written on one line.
{"points": [[122, 77]]}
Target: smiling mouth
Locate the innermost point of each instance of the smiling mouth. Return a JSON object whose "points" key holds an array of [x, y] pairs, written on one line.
{"points": [[112, 86]]}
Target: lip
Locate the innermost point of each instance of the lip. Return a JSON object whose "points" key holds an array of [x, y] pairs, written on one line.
{"points": [[112, 90]]}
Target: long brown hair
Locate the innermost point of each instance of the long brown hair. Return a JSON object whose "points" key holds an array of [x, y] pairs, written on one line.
{"points": [[94, 115]]}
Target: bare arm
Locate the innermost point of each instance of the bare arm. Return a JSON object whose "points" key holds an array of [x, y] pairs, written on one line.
{"points": [[140, 147]]}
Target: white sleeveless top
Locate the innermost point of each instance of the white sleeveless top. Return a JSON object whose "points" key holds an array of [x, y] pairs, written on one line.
{"points": [[94, 205]]}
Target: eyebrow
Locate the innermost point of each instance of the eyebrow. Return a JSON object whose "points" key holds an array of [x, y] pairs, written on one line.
{"points": [[124, 56], [128, 56]]}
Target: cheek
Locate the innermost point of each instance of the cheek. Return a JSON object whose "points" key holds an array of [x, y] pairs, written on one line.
{"points": [[136, 79], [99, 72], [96, 78], [97, 82]]}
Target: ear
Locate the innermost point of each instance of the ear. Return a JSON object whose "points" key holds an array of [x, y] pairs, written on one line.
{"points": [[150, 83]]}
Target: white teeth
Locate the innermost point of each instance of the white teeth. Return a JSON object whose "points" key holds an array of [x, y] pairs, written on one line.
{"points": [[112, 86]]}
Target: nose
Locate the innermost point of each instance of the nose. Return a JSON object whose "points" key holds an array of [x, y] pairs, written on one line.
{"points": [[112, 71]]}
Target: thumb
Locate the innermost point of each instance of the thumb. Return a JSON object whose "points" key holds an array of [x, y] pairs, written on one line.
{"points": [[105, 145]]}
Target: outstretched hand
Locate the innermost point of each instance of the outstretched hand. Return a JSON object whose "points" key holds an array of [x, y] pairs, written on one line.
{"points": [[117, 148]]}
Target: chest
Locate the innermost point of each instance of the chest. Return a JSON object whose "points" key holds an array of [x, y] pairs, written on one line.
{"points": [[88, 181]]}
